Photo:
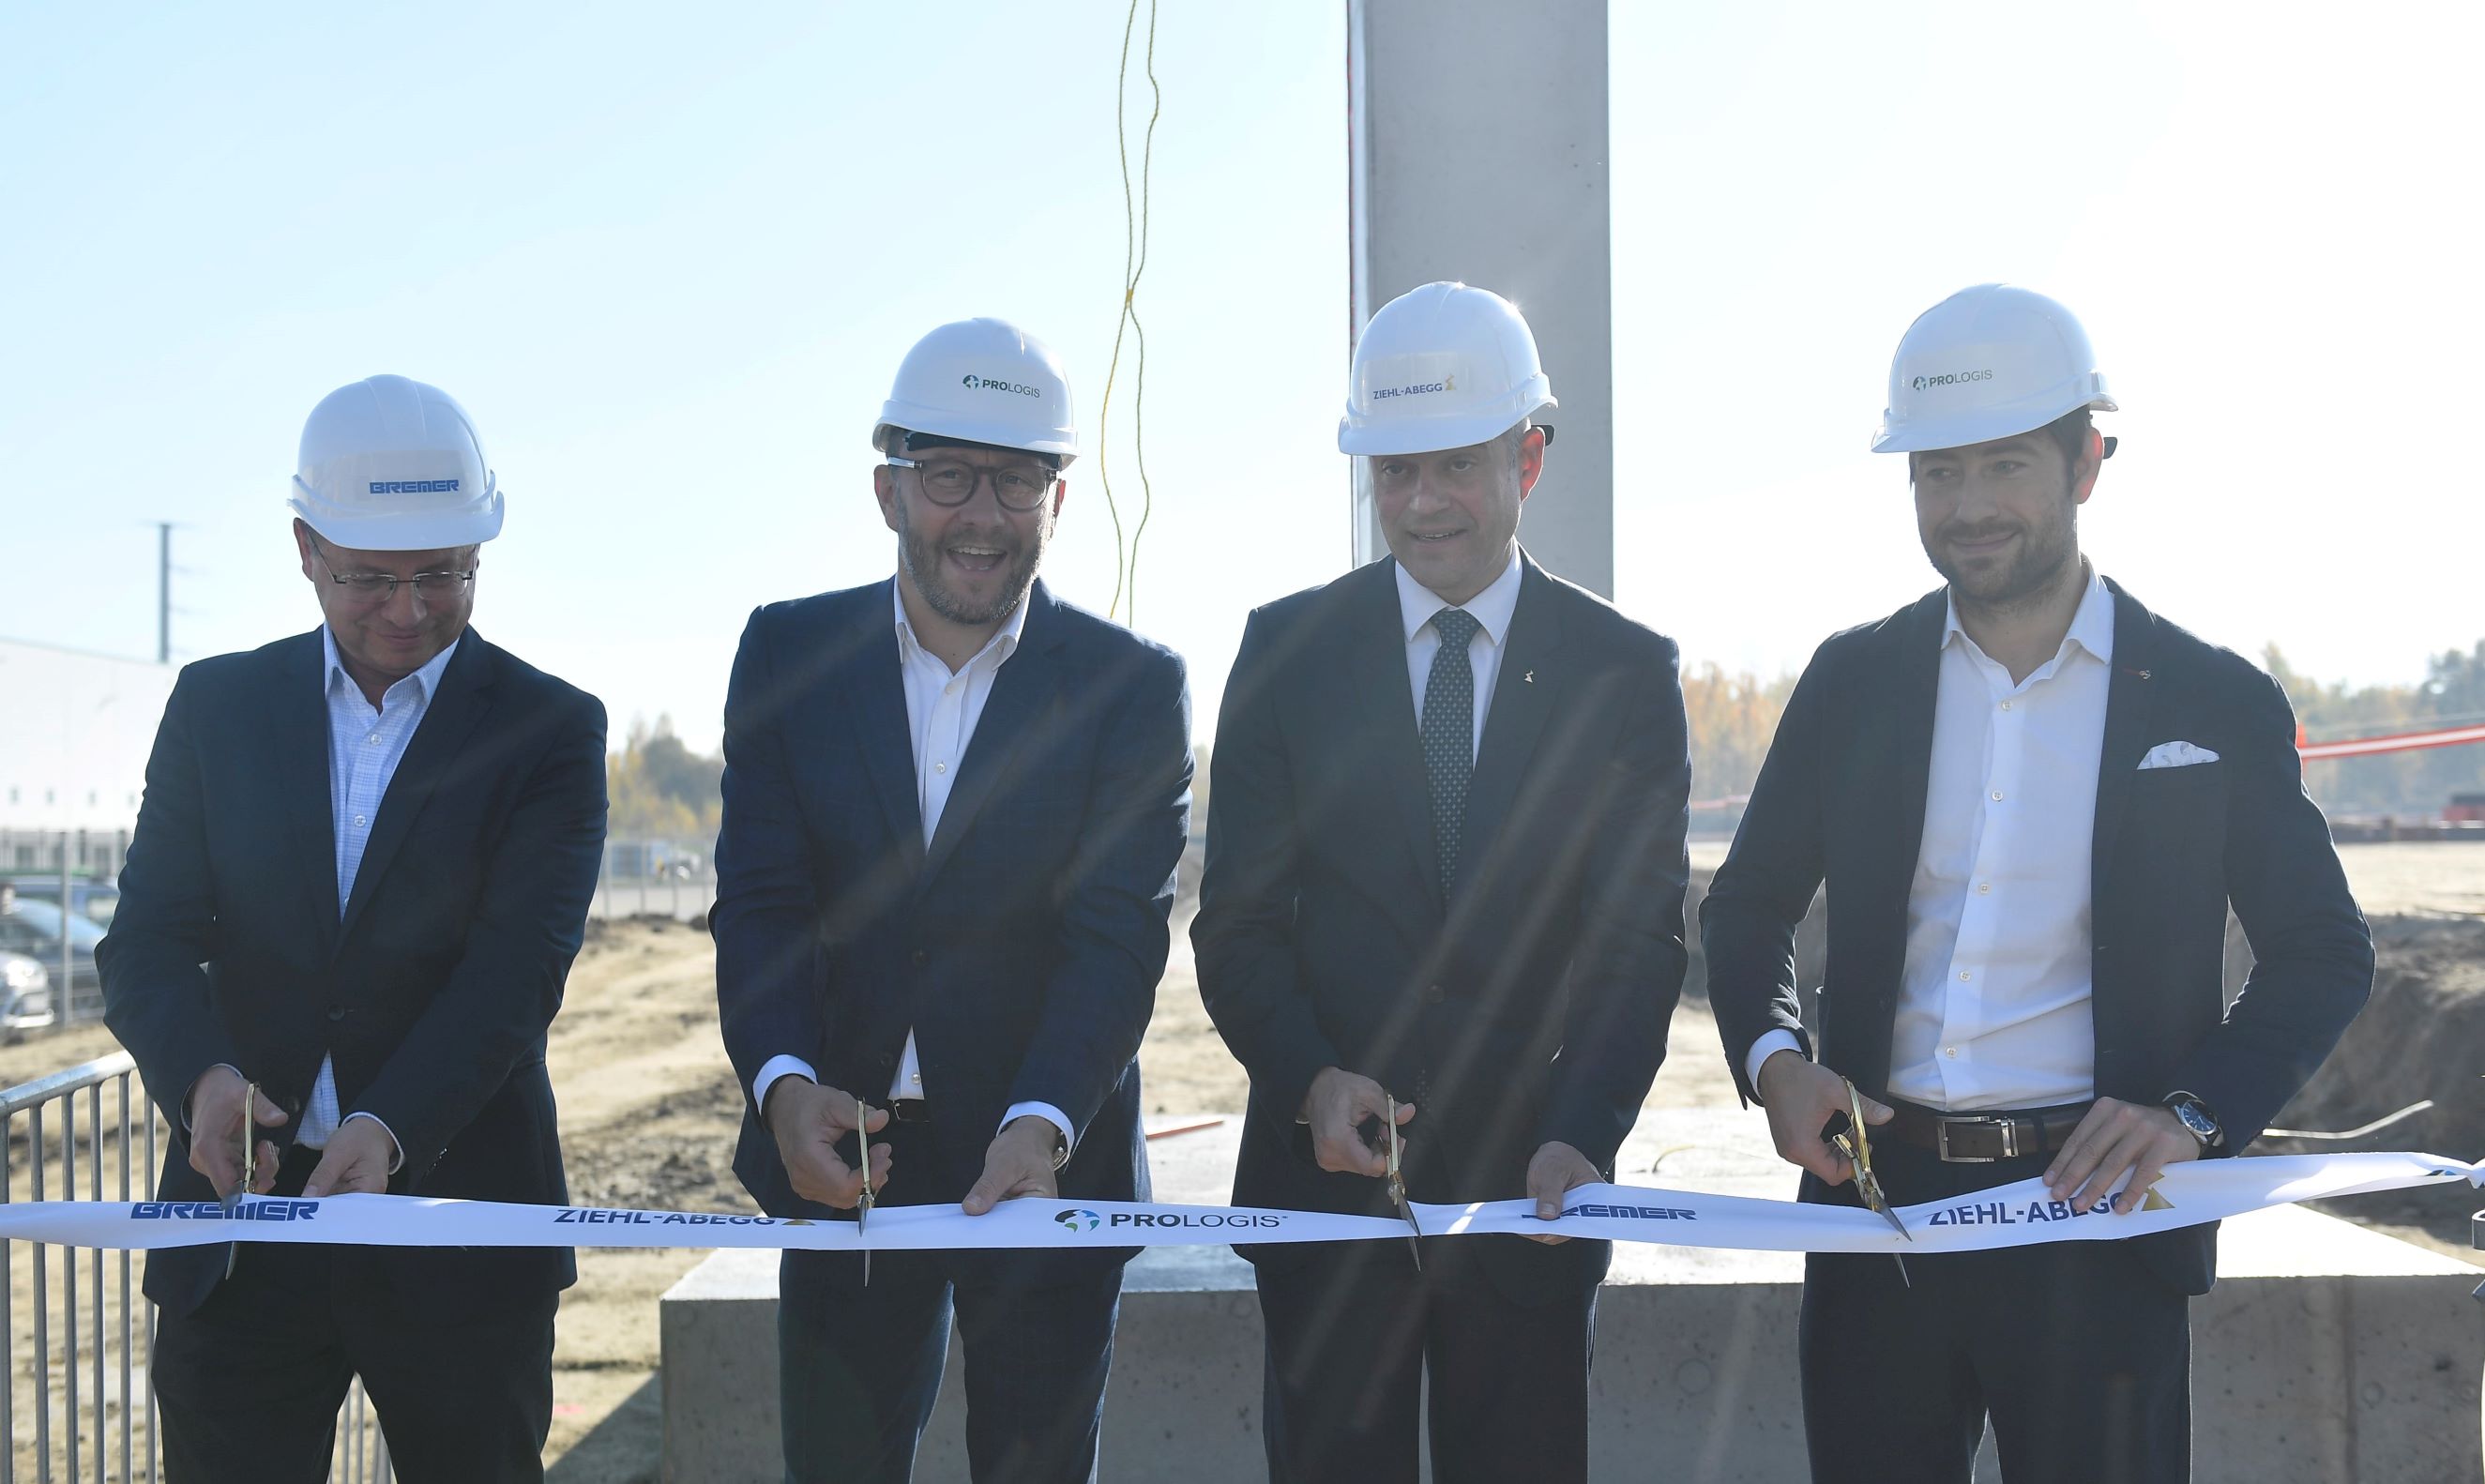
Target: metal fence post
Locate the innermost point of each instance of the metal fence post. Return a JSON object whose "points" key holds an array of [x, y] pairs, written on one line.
{"points": [[62, 996], [8, 1319], [42, 1316], [128, 1295], [69, 1283]]}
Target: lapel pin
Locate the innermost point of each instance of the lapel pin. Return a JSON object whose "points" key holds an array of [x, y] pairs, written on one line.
{"points": [[1529, 678]]}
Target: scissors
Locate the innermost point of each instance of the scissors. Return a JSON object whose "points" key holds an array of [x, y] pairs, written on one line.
{"points": [[863, 1201], [1851, 1142], [249, 1167], [1397, 1187]]}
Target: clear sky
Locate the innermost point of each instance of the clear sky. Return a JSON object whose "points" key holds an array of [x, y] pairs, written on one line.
{"points": [[670, 258]]}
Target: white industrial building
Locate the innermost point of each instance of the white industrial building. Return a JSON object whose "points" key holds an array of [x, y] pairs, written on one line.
{"points": [[75, 729]]}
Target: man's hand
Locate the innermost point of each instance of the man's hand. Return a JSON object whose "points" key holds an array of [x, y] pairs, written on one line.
{"points": [[1020, 1163], [2114, 1139], [357, 1161], [808, 1120], [1556, 1171], [1800, 1097], [215, 1131], [1336, 1107]]}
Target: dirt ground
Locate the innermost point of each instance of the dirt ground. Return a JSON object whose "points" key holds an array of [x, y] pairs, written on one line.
{"points": [[649, 1115]]}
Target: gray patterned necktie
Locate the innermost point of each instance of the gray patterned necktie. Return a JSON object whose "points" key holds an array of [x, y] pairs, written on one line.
{"points": [[1448, 733]]}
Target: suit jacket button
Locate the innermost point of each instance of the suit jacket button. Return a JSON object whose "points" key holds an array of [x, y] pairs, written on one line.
{"points": [[920, 958], [338, 1012], [1434, 994]]}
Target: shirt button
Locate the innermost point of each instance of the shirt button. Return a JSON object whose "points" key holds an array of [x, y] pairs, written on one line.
{"points": [[1983, 887], [1997, 796], [1965, 974], [374, 739], [2005, 705], [940, 767], [359, 820], [1949, 1051]]}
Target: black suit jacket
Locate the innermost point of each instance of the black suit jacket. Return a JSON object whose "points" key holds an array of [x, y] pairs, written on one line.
{"points": [[432, 990], [1022, 947], [1532, 1007], [1840, 800]]}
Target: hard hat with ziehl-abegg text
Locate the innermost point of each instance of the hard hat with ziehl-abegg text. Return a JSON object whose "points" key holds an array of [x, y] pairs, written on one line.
{"points": [[1441, 366]]}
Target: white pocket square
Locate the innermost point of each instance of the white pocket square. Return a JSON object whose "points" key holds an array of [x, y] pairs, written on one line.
{"points": [[2177, 754]]}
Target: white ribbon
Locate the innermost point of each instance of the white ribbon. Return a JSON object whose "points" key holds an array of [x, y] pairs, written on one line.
{"points": [[2019, 1215]]}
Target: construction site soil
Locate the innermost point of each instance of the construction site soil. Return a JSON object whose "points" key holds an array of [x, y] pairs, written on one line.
{"points": [[650, 1113]]}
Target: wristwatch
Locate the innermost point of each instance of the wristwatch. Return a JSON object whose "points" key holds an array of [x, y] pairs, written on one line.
{"points": [[2202, 1123]]}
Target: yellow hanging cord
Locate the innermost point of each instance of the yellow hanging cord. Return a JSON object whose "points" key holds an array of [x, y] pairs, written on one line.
{"points": [[1135, 263]]}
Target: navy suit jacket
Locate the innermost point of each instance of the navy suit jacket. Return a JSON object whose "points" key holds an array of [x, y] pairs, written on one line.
{"points": [[1022, 947], [1533, 1004], [431, 992], [1840, 801]]}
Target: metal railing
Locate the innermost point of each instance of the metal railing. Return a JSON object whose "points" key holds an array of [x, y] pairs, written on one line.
{"points": [[655, 878], [62, 1416]]}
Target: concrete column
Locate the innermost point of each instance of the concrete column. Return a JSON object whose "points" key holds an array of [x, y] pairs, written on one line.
{"points": [[1476, 138]]}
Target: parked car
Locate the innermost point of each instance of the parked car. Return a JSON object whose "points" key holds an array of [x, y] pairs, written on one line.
{"points": [[33, 929], [26, 1000], [89, 897]]}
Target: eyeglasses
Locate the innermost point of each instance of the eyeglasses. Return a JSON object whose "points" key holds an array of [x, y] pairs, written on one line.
{"points": [[381, 587], [951, 482]]}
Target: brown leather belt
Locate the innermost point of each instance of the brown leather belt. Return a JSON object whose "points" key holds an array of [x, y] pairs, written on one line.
{"points": [[1981, 1138]]}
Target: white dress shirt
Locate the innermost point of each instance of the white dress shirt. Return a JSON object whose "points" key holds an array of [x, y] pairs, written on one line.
{"points": [[943, 706], [365, 745], [1993, 1011], [1492, 609]]}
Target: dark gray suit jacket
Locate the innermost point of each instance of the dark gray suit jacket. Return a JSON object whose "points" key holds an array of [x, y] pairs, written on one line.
{"points": [[1532, 1005]]}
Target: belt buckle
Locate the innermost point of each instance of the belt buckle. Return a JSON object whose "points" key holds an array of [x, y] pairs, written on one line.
{"points": [[2010, 1127]]}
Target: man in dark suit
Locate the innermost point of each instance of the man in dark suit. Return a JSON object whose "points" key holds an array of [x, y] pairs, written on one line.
{"points": [[2033, 802], [953, 807], [360, 875], [1446, 871]]}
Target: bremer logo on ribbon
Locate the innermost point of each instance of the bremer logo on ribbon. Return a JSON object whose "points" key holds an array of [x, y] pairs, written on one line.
{"points": [[2016, 1215]]}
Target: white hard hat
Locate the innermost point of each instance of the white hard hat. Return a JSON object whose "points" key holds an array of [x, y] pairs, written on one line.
{"points": [[1986, 363], [982, 381], [389, 464], [1441, 366]]}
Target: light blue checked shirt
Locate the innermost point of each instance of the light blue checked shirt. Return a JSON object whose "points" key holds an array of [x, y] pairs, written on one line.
{"points": [[365, 745]]}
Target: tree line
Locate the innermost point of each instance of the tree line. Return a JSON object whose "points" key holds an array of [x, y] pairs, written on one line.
{"points": [[661, 790]]}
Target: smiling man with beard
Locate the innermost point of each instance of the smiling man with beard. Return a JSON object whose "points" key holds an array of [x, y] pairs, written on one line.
{"points": [[2032, 802], [953, 807]]}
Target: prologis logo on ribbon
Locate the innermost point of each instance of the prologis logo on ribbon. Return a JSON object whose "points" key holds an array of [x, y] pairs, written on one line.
{"points": [[1073, 1218]]}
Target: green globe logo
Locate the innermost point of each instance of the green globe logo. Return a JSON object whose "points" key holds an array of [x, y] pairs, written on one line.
{"points": [[1075, 1219]]}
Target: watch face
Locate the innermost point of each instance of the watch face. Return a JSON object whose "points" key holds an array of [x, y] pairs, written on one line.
{"points": [[2194, 1119]]}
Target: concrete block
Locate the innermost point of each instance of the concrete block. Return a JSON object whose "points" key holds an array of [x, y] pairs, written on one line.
{"points": [[2328, 1354]]}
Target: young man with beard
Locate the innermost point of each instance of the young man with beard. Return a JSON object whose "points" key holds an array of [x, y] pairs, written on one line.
{"points": [[2033, 802], [1445, 871], [953, 807]]}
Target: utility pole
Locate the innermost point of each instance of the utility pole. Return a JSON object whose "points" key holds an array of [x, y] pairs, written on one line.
{"points": [[163, 592], [1476, 140]]}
